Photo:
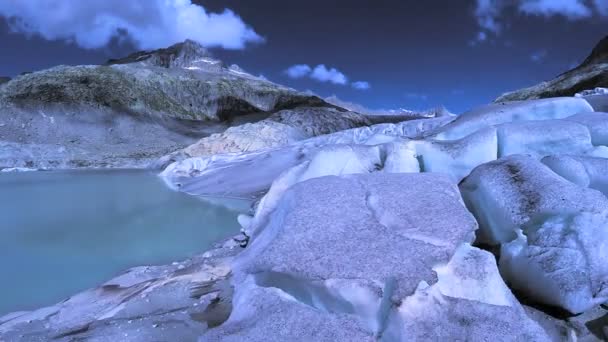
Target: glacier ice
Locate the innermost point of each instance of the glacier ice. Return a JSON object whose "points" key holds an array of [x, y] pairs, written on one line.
{"points": [[598, 102], [314, 273], [469, 302], [457, 158], [553, 232], [494, 114], [308, 234], [597, 123], [561, 261], [586, 171], [541, 138], [507, 193]]}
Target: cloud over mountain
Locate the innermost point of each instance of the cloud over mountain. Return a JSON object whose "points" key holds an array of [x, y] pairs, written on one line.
{"points": [[147, 23], [324, 74]]}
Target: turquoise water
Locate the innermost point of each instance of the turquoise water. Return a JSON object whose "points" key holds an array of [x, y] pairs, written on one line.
{"points": [[64, 232]]}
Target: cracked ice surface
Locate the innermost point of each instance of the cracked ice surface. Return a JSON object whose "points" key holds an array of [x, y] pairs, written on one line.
{"points": [[309, 235], [314, 273]]}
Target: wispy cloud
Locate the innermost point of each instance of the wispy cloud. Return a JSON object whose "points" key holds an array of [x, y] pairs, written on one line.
{"points": [[480, 38], [538, 56], [147, 23], [571, 9], [361, 85], [417, 96], [489, 13], [323, 74]]}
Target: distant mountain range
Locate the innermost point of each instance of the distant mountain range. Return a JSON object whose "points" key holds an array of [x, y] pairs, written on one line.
{"points": [[399, 112]]}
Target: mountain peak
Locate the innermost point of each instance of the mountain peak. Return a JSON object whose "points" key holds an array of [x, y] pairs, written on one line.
{"points": [[599, 54], [178, 55]]}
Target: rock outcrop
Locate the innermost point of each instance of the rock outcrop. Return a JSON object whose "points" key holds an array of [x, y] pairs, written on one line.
{"points": [[176, 302], [592, 73]]}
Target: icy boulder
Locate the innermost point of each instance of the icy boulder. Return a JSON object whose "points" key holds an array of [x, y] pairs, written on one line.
{"points": [[509, 192], [333, 160], [588, 172], [561, 261], [554, 233], [268, 314], [469, 302], [457, 158], [597, 123], [541, 138], [401, 158], [494, 114], [469, 289]]}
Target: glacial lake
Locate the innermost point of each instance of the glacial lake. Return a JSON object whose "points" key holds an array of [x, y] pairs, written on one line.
{"points": [[62, 232]]}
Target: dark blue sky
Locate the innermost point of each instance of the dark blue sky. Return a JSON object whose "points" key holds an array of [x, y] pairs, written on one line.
{"points": [[415, 54]]}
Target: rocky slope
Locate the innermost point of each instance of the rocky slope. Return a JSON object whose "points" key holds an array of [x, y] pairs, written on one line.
{"points": [[488, 226], [592, 73], [131, 111]]}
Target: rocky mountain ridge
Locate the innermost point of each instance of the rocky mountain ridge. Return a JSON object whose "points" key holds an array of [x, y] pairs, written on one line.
{"points": [[133, 110], [591, 73]]}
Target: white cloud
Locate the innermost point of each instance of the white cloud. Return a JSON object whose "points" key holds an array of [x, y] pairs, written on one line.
{"points": [[148, 23], [571, 9], [538, 56], [322, 74], [361, 85], [488, 13], [298, 70]]}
